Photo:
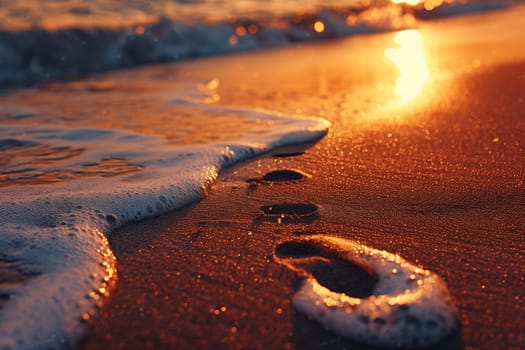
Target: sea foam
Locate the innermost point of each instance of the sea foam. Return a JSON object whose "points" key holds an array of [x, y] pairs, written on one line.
{"points": [[409, 306], [64, 189]]}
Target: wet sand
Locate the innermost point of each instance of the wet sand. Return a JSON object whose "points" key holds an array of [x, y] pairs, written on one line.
{"points": [[438, 180]]}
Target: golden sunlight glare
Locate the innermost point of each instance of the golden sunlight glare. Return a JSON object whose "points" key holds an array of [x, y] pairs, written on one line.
{"points": [[319, 26], [410, 60], [408, 2], [428, 5]]}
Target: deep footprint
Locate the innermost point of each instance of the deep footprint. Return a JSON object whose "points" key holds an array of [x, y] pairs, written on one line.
{"points": [[286, 175], [403, 306], [331, 272]]}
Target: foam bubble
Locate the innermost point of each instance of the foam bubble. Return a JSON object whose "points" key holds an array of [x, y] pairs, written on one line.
{"points": [[409, 306], [67, 188]]}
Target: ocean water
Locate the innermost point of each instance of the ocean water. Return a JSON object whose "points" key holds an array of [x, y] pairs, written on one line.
{"points": [[136, 149], [68, 181], [46, 40]]}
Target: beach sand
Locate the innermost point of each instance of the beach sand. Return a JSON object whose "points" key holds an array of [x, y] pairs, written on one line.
{"points": [[437, 178]]}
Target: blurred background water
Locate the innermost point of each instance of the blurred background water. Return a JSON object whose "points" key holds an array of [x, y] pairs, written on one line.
{"points": [[43, 40]]}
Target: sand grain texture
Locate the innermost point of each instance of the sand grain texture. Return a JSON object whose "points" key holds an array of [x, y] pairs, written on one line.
{"points": [[439, 181]]}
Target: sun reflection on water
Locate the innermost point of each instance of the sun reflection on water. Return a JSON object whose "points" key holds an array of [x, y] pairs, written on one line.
{"points": [[410, 60], [428, 5]]}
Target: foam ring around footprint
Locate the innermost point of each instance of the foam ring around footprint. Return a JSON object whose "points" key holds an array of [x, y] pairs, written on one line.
{"points": [[409, 307]]}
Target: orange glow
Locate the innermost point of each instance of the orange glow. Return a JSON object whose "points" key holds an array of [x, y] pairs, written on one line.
{"points": [[428, 5], [432, 4], [408, 2], [252, 28], [410, 60], [139, 30], [233, 40], [319, 26], [240, 31], [351, 20]]}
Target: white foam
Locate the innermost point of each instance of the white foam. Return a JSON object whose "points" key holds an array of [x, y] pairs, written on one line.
{"points": [[58, 230], [409, 306]]}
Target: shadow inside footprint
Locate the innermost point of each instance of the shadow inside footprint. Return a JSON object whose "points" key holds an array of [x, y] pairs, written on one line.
{"points": [[288, 213], [293, 249], [342, 290], [290, 154], [291, 210], [332, 272], [277, 176]]}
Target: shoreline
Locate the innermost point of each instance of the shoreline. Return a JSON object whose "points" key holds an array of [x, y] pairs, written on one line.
{"points": [[438, 182], [424, 159]]}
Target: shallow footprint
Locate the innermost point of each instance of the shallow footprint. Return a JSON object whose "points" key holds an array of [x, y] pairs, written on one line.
{"points": [[290, 209], [406, 306], [277, 176], [289, 213]]}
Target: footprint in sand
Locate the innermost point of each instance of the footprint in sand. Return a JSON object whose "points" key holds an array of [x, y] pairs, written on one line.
{"points": [[367, 295], [303, 213], [280, 176], [336, 274]]}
